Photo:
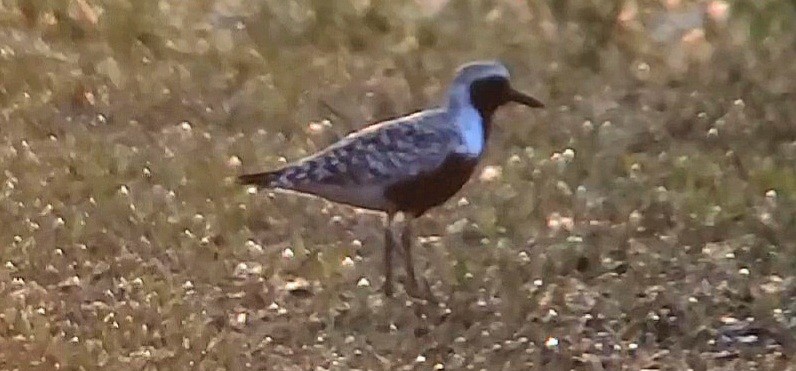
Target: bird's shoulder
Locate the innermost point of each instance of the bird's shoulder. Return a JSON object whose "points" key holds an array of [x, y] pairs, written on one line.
{"points": [[420, 129], [383, 151]]}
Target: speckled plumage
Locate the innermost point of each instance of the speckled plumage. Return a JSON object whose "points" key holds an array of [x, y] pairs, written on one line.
{"points": [[409, 164], [359, 168]]}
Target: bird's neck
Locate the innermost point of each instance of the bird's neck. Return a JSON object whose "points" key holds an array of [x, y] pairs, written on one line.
{"points": [[461, 104], [472, 126]]}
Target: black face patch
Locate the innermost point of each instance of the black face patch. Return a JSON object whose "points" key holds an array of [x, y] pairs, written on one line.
{"points": [[488, 94]]}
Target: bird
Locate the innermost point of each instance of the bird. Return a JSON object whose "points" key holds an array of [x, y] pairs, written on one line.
{"points": [[409, 164]]}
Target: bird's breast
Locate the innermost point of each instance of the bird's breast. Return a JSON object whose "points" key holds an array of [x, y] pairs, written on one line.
{"points": [[426, 190]]}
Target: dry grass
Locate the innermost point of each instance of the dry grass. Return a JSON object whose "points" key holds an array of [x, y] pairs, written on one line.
{"points": [[646, 219]]}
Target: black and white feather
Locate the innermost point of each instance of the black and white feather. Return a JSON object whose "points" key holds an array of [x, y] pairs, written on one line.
{"points": [[411, 163]]}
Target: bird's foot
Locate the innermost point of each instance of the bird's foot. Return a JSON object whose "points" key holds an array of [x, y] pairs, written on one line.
{"points": [[387, 288], [421, 290]]}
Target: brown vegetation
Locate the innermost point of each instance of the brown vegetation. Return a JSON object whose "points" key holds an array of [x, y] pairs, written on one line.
{"points": [[645, 219]]}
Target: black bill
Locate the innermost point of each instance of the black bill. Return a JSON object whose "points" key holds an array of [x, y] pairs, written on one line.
{"points": [[522, 98]]}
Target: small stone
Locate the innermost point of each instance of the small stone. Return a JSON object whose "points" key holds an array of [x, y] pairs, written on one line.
{"points": [[297, 284], [718, 10], [568, 154], [233, 161], [248, 268], [490, 173], [253, 247], [524, 257], [713, 132], [748, 339], [315, 128], [69, 282], [240, 318]]}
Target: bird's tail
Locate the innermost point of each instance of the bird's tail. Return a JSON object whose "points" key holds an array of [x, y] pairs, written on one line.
{"points": [[268, 179]]}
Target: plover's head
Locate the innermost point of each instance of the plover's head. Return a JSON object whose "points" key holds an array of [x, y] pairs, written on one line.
{"points": [[485, 85]]}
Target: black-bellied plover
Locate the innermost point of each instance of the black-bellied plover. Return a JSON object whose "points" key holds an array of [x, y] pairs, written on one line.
{"points": [[409, 164]]}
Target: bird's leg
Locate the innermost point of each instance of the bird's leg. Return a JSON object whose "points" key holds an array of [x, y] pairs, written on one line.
{"points": [[388, 247], [409, 265], [412, 285]]}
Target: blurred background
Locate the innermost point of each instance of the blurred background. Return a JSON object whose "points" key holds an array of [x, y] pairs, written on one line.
{"points": [[645, 219]]}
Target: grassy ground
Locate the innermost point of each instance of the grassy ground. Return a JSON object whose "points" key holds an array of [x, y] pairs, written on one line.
{"points": [[645, 219]]}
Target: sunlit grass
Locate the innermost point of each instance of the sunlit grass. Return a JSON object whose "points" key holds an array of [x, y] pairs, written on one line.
{"points": [[645, 219]]}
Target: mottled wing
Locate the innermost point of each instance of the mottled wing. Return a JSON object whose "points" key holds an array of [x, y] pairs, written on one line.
{"points": [[383, 153], [368, 161]]}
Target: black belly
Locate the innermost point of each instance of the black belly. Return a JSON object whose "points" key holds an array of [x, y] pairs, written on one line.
{"points": [[417, 195]]}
